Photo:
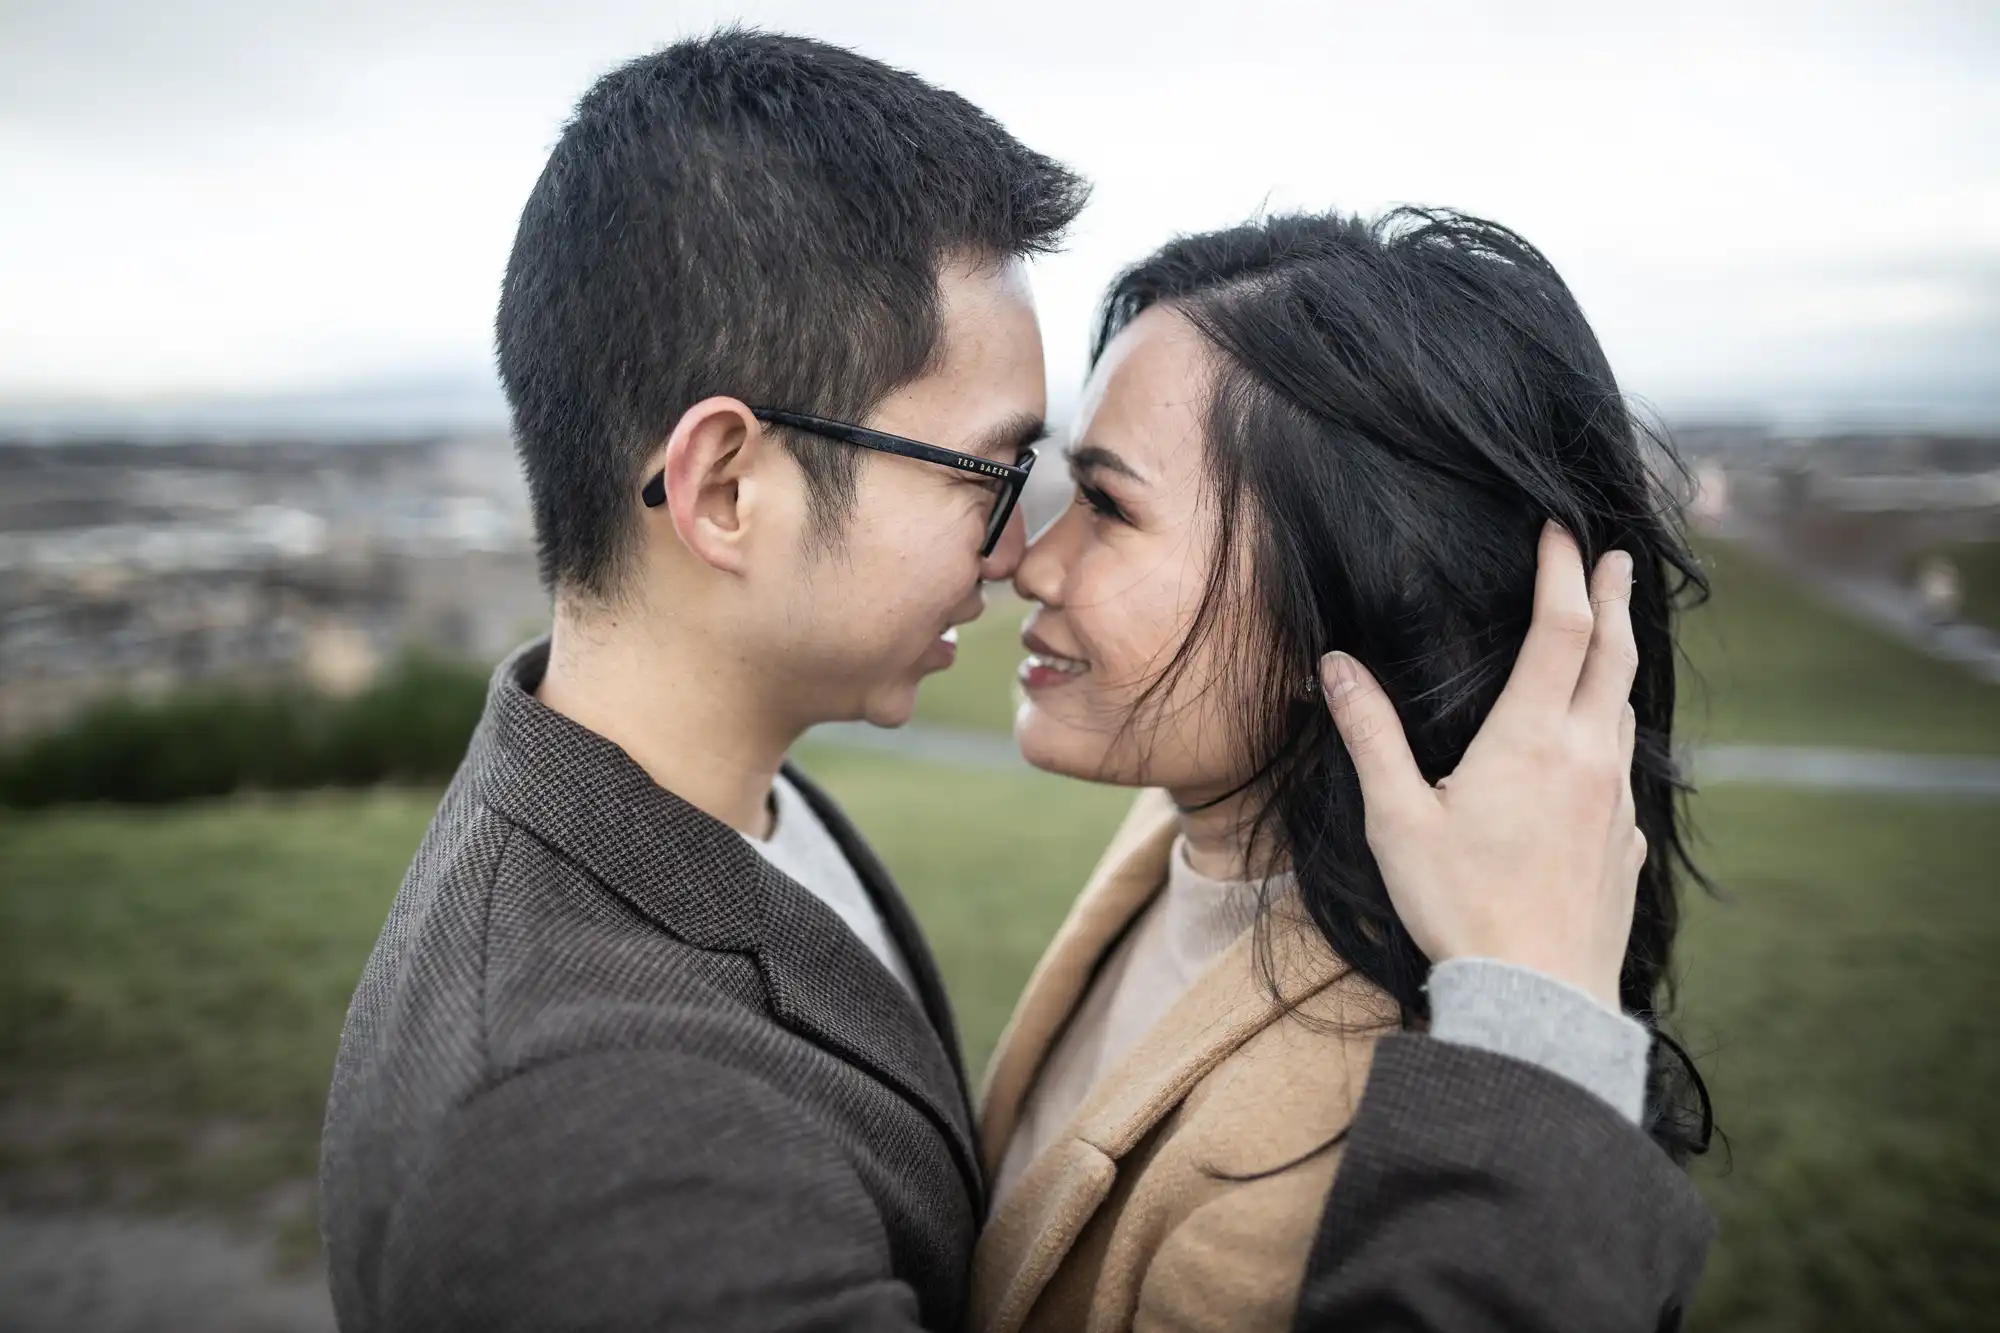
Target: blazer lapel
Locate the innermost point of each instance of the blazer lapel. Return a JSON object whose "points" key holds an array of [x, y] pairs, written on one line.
{"points": [[1034, 1230], [698, 880], [583, 796], [868, 1016], [1128, 875], [896, 914]]}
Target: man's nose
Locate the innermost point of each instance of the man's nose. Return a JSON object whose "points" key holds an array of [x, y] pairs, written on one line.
{"points": [[1006, 558]]}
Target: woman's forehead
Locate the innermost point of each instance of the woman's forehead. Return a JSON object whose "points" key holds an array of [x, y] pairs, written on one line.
{"points": [[1148, 395]]}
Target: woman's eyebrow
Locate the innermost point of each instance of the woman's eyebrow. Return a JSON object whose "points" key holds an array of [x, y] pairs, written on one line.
{"points": [[1085, 457]]}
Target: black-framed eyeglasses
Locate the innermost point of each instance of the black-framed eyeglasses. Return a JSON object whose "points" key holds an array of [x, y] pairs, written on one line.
{"points": [[1009, 479]]}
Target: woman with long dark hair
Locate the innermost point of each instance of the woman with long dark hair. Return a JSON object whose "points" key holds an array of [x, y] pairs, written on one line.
{"points": [[1305, 435]]}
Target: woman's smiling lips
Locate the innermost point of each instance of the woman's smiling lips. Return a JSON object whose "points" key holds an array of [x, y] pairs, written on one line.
{"points": [[1045, 668]]}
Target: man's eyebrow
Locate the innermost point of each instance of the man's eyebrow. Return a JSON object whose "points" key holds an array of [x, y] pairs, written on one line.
{"points": [[1005, 441], [1085, 457]]}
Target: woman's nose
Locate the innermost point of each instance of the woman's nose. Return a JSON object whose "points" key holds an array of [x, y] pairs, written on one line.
{"points": [[1039, 577]]}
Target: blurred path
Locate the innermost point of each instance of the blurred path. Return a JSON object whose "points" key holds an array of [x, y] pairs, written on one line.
{"points": [[1877, 602], [105, 1273], [940, 745], [1882, 772]]}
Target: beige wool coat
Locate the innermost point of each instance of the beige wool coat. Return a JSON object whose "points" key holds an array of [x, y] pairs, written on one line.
{"points": [[1186, 1191]]}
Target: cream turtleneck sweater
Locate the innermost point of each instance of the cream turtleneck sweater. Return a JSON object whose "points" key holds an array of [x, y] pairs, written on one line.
{"points": [[1192, 921]]}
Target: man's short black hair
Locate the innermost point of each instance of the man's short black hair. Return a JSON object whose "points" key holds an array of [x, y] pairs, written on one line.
{"points": [[748, 214]]}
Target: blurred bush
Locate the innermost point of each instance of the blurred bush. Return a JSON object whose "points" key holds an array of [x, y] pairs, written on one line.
{"points": [[411, 725]]}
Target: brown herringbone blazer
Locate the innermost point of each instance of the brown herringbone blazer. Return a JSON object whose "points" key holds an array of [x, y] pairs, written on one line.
{"points": [[609, 1069]]}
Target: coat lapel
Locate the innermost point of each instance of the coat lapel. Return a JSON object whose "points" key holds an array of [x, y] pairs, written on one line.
{"points": [[1033, 1231], [1128, 875]]}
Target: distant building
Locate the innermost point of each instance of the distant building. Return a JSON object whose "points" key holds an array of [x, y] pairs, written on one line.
{"points": [[1867, 504], [142, 568], [1939, 589]]}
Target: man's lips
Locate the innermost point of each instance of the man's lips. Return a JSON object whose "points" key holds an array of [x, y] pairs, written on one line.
{"points": [[944, 648]]}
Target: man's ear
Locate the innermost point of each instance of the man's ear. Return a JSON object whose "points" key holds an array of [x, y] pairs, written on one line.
{"points": [[713, 447]]}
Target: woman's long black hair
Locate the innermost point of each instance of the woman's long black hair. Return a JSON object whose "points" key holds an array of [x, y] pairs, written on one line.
{"points": [[1399, 406]]}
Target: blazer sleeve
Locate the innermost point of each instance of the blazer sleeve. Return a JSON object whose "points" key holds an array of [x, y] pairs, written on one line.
{"points": [[1480, 1192], [636, 1190]]}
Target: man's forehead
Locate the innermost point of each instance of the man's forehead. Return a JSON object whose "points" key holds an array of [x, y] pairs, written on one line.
{"points": [[984, 391], [987, 310]]}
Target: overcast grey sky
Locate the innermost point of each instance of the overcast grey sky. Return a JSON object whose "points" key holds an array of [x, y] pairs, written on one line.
{"points": [[1787, 208]]}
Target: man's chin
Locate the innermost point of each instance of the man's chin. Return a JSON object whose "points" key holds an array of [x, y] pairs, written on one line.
{"points": [[891, 708]]}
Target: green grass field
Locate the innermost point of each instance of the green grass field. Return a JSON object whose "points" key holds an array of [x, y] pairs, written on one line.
{"points": [[176, 971], [1771, 666], [172, 981], [1838, 998]]}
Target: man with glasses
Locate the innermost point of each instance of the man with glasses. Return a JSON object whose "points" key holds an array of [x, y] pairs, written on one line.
{"points": [[649, 1039], [1005, 480]]}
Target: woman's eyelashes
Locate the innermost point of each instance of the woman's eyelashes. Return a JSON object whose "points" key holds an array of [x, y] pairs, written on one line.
{"points": [[1099, 502]]}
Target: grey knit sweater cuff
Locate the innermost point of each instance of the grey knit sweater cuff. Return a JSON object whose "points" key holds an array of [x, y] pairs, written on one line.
{"points": [[1518, 1012]]}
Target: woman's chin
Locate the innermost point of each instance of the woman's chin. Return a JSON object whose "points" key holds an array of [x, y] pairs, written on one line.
{"points": [[1056, 747]]}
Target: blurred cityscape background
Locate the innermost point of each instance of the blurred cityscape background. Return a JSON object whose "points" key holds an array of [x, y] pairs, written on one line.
{"points": [[262, 536]]}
